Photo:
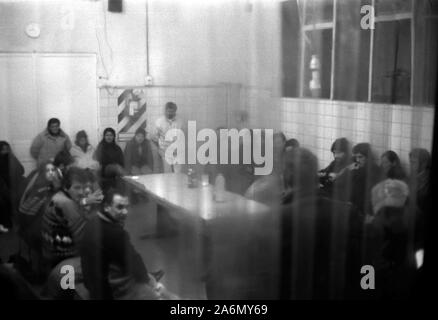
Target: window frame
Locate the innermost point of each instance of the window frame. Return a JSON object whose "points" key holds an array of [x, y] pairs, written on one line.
{"points": [[411, 16]]}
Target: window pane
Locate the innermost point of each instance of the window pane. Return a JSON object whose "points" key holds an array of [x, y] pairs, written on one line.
{"points": [[386, 7], [318, 11], [290, 28], [352, 53], [392, 62], [426, 52], [318, 44]]}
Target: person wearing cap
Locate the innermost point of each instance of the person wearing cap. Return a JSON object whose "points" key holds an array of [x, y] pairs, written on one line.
{"points": [[50, 142], [82, 152], [390, 247], [138, 154]]}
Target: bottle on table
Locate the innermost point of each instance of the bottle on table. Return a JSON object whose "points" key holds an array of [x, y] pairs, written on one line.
{"points": [[191, 178], [219, 188]]}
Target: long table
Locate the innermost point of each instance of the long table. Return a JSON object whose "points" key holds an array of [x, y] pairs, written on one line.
{"points": [[232, 240], [171, 190]]}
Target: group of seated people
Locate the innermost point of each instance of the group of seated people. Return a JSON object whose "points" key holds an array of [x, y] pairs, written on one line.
{"points": [[73, 197], [71, 210], [386, 212]]}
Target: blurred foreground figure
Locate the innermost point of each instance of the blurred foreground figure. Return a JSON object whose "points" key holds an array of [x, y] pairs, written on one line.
{"points": [[420, 161], [111, 267], [392, 245], [320, 237], [11, 179]]}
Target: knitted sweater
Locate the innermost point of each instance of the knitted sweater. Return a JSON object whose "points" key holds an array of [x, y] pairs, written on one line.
{"points": [[62, 228]]}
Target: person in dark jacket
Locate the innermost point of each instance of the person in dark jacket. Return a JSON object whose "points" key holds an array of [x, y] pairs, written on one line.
{"points": [[320, 237], [341, 150], [355, 183], [138, 154], [11, 179], [110, 155], [112, 268], [391, 166], [391, 247]]}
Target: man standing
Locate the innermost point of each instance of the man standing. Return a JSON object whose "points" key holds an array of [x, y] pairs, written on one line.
{"points": [[162, 126], [48, 143], [111, 267]]}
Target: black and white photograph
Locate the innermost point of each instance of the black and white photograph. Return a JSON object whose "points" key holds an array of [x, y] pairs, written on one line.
{"points": [[242, 151]]}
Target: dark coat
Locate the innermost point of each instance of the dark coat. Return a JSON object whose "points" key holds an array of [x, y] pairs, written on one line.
{"points": [[109, 153], [138, 155]]}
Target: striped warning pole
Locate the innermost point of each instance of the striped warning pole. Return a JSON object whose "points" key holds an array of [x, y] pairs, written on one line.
{"points": [[131, 116]]}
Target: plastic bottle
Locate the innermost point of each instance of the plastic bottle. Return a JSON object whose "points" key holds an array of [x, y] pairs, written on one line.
{"points": [[219, 188], [191, 178]]}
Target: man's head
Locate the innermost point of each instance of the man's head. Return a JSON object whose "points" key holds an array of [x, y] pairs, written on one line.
{"points": [[5, 148], [340, 149], [419, 160], [301, 169], [140, 135], [291, 144], [388, 160], [63, 160], [53, 126], [74, 183], [170, 110], [115, 205], [362, 154]]}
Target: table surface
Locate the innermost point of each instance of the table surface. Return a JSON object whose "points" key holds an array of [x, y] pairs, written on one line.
{"points": [[171, 189]]}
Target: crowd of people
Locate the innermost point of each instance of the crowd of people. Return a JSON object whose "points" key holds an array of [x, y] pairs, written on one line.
{"points": [[56, 209], [72, 208], [384, 208]]}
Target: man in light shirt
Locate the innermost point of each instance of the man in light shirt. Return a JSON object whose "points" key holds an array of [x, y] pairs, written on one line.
{"points": [[162, 126]]}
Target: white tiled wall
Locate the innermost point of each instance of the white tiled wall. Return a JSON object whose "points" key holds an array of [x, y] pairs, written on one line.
{"points": [[317, 123]]}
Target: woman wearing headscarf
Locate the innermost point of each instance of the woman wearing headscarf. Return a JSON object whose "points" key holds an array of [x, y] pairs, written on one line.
{"points": [[110, 155], [11, 178], [82, 152]]}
